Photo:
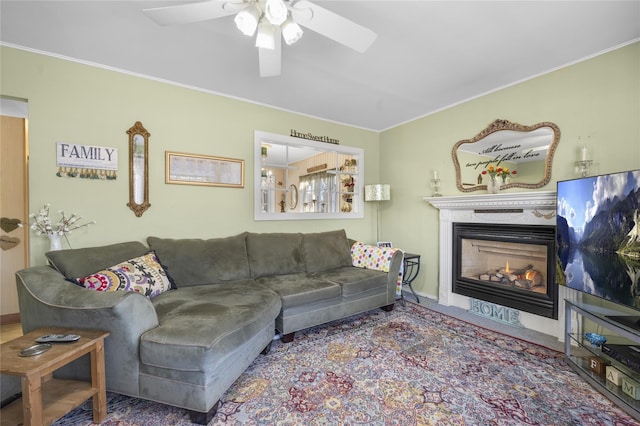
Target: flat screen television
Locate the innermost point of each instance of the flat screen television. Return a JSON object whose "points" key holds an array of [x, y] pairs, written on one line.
{"points": [[598, 238]]}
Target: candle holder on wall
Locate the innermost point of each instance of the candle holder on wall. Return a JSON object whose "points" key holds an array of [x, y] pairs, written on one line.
{"points": [[583, 165], [435, 187]]}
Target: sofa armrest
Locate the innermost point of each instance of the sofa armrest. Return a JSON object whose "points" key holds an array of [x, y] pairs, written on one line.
{"points": [[46, 298], [394, 272], [395, 263]]}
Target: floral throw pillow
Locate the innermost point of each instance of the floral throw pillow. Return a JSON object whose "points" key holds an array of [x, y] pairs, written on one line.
{"points": [[142, 274]]}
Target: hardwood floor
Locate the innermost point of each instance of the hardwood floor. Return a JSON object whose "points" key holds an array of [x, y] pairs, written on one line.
{"points": [[10, 331]]}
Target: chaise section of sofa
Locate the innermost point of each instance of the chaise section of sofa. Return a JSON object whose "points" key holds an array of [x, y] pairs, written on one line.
{"points": [[207, 336], [184, 347], [212, 328]]}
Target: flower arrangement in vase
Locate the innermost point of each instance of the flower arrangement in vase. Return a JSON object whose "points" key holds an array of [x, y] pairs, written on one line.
{"points": [[43, 226], [497, 177]]}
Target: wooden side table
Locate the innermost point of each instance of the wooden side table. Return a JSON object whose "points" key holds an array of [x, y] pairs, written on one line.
{"points": [[45, 399]]}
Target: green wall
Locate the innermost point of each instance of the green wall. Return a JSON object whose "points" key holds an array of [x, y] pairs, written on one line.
{"points": [[71, 102], [76, 103], [597, 98]]}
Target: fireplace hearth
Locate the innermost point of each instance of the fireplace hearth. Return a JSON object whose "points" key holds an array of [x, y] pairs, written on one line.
{"points": [[506, 264]]}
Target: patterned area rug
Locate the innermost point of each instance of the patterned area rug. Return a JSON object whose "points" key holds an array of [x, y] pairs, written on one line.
{"points": [[412, 366]]}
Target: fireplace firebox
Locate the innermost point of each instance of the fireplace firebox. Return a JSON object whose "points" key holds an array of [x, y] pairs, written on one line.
{"points": [[509, 265]]}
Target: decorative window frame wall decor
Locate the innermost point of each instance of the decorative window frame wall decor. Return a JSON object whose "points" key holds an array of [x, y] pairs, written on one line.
{"points": [[300, 179], [205, 170]]}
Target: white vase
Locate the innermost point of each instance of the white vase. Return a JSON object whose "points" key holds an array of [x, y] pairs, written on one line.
{"points": [[55, 242], [493, 186]]}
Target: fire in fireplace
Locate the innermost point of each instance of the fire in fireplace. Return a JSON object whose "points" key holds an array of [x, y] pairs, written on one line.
{"points": [[509, 265], [526, 277]]}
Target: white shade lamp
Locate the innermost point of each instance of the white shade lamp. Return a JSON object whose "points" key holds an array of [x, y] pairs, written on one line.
{"points": [[267, 17], [247, 20], [378, 192]]}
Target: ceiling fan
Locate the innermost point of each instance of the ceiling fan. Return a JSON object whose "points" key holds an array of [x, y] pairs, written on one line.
{"points": [[273, 20]]}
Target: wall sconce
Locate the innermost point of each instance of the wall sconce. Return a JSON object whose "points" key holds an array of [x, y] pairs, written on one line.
{"points": [[435, 185], [378, 192], [583, 165]]}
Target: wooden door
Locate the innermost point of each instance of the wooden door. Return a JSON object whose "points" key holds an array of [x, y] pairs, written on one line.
{"points": [[14, 243]]}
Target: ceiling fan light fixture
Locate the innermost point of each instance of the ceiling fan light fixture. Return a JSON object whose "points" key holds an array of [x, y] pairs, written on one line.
{"points": [[276, 11], [247, 20], [266, 38], [291, 32]]}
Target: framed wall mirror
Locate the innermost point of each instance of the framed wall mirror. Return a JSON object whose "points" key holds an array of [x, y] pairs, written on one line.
{"points": [[302, 179], [138, 169], [527, 150]]}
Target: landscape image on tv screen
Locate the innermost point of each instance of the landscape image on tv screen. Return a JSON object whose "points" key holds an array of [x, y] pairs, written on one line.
{"points": [[598, 236]]}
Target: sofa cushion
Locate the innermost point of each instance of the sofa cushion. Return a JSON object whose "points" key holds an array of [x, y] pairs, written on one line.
{"points": [[301, 289], [76, 263], [275, 254], [326, 250], [201, 325], [141, 274], [354, 280], [190, 262]]}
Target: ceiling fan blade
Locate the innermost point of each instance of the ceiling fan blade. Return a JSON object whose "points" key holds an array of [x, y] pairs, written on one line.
{"points": [[190, 12], [333, 26], [271, 60]]}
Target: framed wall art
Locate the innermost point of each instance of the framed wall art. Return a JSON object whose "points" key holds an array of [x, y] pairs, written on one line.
{"points": [[207, 170]]}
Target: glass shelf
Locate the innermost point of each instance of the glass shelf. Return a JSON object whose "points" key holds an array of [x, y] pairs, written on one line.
{"points": [[578, 350]]}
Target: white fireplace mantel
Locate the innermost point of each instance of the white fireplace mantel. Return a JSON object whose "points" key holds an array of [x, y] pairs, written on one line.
{"points": [[522, 208], [529, 201]]}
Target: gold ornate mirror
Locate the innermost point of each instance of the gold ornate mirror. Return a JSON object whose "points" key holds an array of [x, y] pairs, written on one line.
{"points": [[527, 150], [138, 169]]}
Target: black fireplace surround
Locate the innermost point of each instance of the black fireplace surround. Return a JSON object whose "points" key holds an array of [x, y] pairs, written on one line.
{"points": [[543, 303]]}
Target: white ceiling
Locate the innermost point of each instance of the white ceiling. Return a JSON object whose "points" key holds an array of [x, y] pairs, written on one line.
{"points": [[429, 55]]}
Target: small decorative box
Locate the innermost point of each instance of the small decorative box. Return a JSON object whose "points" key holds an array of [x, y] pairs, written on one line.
{"points": [[631, 387], [597, 365], [614, 375]]}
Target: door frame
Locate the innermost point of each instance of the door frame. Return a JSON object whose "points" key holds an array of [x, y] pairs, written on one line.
{"points": [[15, 107]]}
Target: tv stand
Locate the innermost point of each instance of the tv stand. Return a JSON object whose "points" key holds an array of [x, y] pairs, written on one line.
{"points": [[619, 328]]}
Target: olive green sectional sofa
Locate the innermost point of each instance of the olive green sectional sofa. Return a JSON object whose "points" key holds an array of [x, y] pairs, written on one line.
{"points": [[228, 298]]}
